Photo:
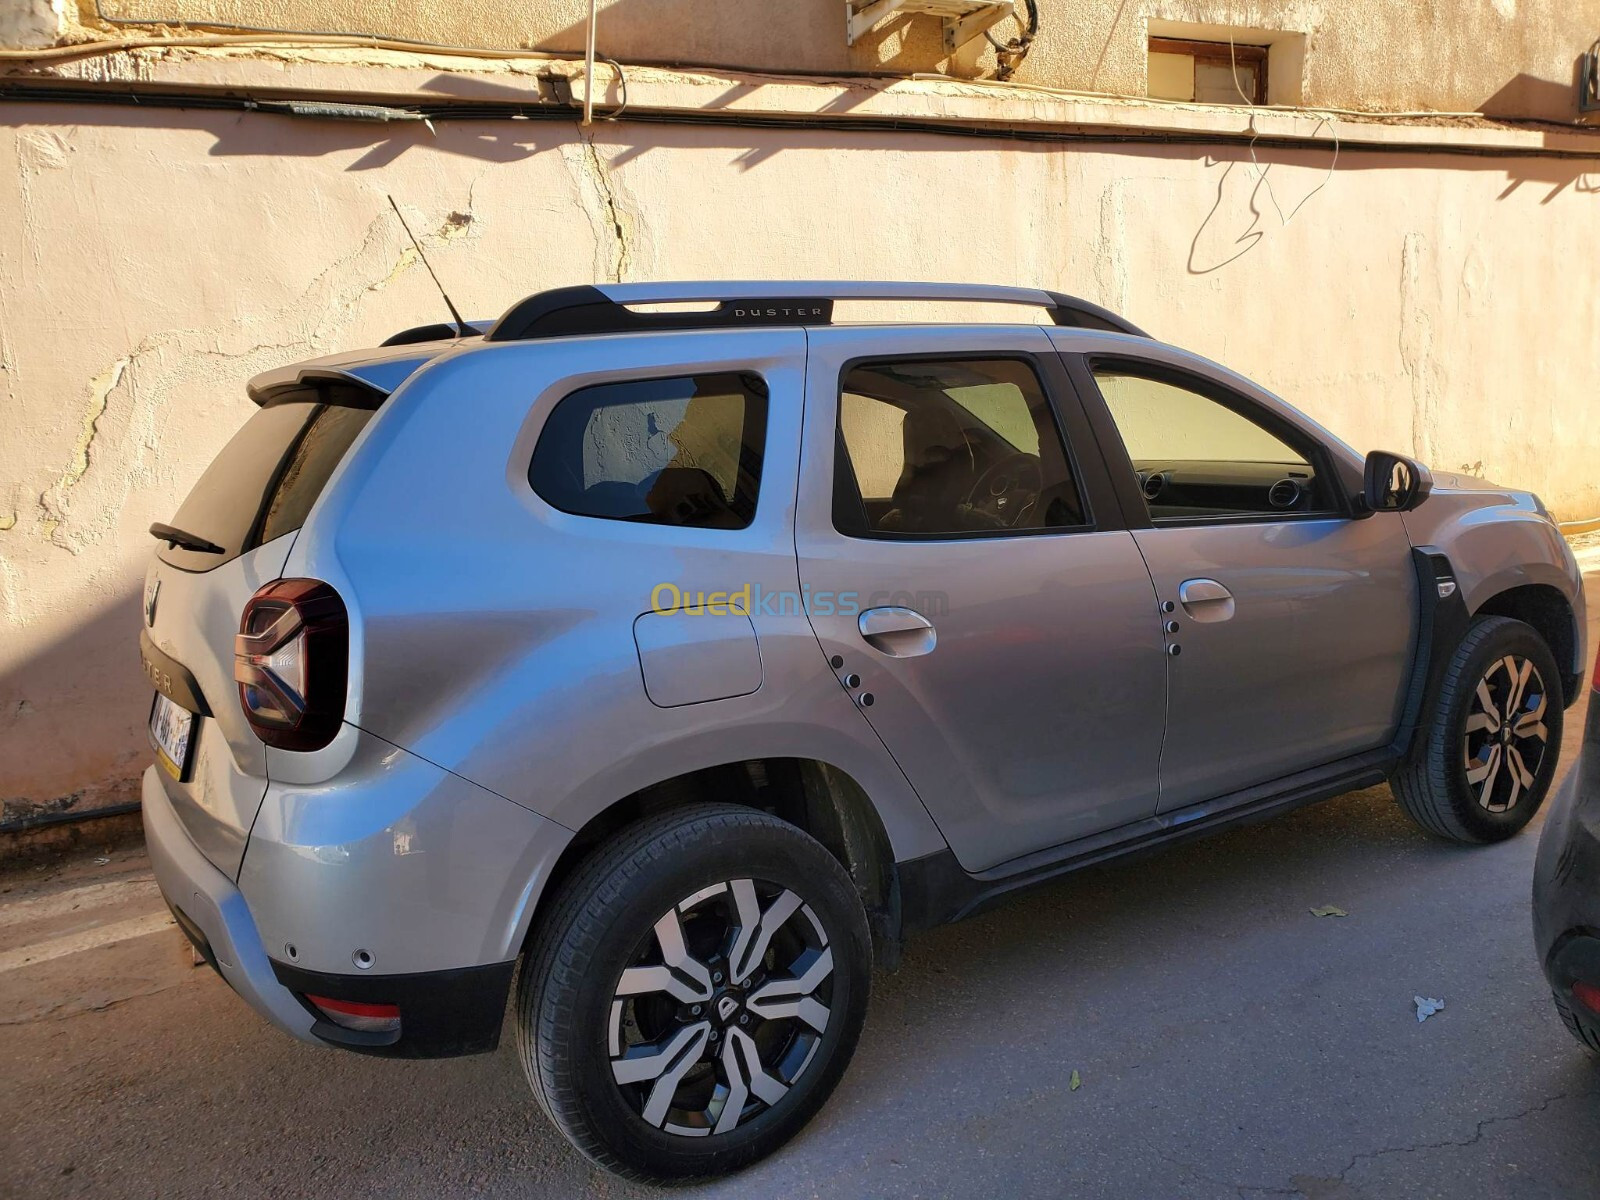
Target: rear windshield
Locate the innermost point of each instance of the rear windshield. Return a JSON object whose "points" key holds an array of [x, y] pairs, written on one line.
{"points": [[265, 480]]}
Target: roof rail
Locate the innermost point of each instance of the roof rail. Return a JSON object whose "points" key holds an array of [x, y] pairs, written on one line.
{"points": [[562, 312]]}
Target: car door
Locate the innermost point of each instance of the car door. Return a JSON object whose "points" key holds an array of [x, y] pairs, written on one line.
{"points": [[969, 579], [1292, 623]]}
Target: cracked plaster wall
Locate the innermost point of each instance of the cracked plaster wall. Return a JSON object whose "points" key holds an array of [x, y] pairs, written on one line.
{"points": [[153, 261]]}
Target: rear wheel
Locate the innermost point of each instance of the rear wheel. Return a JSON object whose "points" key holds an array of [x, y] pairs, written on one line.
{"points": [[695, 993], [1485, 757]]}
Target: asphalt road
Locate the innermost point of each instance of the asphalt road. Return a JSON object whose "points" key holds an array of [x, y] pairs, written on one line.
{"points": [[1227, 1042]]}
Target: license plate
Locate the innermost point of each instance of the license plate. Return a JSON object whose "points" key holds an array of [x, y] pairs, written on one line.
{"points": [[172, 735]]}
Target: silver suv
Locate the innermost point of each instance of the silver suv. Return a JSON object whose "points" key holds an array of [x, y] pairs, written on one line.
{"points": [[691, 650]]}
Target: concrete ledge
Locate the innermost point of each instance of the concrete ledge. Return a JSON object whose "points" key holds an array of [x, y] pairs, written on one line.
{"points": [[405, 79]]}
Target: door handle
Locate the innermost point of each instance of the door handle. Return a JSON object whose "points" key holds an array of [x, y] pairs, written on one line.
{"points": [[897, 632], [1205, 600]]}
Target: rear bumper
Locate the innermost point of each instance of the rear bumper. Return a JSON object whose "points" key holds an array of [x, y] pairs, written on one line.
{"points": [[214, 915], [443, 1012]]}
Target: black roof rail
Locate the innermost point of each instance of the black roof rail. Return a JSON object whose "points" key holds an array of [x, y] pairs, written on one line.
{"points": [[605, 308], [443, 331]]}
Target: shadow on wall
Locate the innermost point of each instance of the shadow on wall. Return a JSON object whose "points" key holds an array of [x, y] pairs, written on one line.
{"points": [[266, 135], [1524, 94], [510, 140], [1252, 201], [72, 718]]}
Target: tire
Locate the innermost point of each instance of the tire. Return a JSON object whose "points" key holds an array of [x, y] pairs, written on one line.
{"points": [[1462, 783], [1587, 1036], [660, 965]]}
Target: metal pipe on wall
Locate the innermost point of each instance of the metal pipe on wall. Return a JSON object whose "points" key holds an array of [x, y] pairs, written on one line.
{"points": [[588, 66]]}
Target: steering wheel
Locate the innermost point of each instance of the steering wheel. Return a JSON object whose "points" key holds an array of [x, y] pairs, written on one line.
{"points": [[1007, 491]]}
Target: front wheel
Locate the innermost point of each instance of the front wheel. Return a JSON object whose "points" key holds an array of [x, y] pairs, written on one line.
{"points": [[695, 993], [1487, 753]]}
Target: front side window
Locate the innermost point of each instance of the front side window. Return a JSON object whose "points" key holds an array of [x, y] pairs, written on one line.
{"points": [[950, 447], [683, 451], [1197, 457]]}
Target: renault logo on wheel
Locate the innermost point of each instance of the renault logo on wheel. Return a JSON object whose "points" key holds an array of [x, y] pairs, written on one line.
{"points": [[726, 1007]]}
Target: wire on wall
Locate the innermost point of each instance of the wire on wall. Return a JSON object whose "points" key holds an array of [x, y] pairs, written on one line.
{"points": [[1255, 135], [1009, 55]]}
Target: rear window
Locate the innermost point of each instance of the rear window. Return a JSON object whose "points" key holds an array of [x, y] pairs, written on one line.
{"points": [[264, 482], [680, 451]]}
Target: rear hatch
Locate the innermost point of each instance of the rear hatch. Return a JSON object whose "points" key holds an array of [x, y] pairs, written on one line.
{"points": [[232, 536]]}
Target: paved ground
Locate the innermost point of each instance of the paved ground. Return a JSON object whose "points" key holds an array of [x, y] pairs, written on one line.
{"points": [[1228, 1043]]}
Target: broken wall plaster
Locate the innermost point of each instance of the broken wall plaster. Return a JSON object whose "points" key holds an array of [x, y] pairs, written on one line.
{"points": [[1111, 265], [100, 389], [458, 225], [598, 197], [127, 397], [1419, 296], [10, 602]]}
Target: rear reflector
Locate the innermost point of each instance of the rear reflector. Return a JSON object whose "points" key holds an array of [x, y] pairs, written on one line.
{"points": [[1588, 995], [352, 1014]]}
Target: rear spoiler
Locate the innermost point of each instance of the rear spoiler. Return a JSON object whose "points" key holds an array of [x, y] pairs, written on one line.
{"points": [[375, 379]]}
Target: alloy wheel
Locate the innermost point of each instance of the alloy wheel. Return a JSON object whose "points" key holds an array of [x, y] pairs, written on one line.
{"points": [[722, 1008], [1506, 738]]}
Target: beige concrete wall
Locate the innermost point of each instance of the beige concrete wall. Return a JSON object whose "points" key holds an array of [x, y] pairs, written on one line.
{"points": [[151, 260], [31, 22], [1507, 57]]}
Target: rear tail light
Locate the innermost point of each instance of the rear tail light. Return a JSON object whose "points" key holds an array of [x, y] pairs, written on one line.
{"points": [[363, 1018], [291, 660], [1587, 995]]}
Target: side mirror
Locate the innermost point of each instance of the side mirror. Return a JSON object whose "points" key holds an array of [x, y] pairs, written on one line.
{"points": [[1394, 483]]}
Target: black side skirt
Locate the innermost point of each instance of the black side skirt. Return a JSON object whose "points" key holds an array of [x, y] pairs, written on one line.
{"points": [[935, 889]]}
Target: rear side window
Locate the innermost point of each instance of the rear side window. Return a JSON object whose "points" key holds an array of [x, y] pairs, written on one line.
{"points": [[681, 451], [265, 480]]}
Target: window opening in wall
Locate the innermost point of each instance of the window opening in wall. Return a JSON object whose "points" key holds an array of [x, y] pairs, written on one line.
{"points": [[1207, 72]]}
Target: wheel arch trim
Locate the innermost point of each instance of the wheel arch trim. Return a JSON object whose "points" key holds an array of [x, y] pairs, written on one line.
{"points": [[1535, 594], [815, 795]]}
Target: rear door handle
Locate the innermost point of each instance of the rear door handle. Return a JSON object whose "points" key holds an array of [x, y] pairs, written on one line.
{"points": [[1205, 600], [897, 632]]}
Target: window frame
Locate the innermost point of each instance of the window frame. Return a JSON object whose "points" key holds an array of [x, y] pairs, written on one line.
{"points": [[845, 487], [1218, 54], [1120, 463], [757, 386]]}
